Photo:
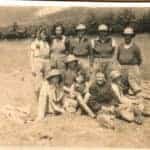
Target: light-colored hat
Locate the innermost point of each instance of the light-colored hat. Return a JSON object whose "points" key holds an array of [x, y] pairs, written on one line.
{"points": [[102, 27], [100, 75], [115, 74], [53, 73], [71, 58], [128, 31], [80, 27]]}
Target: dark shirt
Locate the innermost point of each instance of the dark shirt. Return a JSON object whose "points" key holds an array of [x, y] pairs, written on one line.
{"points": [[80, 47], [102, 93], [130, 56], [103, 49]]}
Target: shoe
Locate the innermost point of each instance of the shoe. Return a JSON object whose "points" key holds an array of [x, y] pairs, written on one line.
{"points": [[139, 120]]}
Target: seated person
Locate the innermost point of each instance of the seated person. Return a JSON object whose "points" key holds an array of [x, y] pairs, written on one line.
{"points": [[128, 109], [100, 93], [79, 93], [73, 67], [51, 95]]}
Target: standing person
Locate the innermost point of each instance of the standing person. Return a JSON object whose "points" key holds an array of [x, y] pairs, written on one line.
{"points": [[59, 46], [51, 95], [80, 46], [40, 58], [103, 50], [130, 59], [72, 69]]}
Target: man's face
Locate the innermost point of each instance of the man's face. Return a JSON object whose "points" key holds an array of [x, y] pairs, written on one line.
{"points": [[100, 79], [127, 39], [103, 34], [43, 36], [72, 64], [81, 33], [58, 30]]}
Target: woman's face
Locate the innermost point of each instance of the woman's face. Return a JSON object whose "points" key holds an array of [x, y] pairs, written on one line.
{"points": [[128, 39], [55, 80], [58, 30]]}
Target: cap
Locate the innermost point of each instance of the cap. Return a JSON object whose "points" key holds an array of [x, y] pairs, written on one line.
{"points": [[128, 31], [80, 27], [71, 58], [115, 74], [103, 27], [53, 73]]}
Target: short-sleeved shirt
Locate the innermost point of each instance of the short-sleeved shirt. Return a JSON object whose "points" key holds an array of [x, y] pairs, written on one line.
{"points": [[40, 48], [80, 47], [103, 49], [129, 55]]}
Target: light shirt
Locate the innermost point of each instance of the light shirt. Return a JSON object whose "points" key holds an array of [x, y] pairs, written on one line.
{"points": [[40, 48]]}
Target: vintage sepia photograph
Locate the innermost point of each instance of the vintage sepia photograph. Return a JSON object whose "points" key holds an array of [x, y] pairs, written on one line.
{"points": [[75, 76]]}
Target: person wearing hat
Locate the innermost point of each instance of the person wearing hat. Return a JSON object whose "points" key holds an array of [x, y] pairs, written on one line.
{"points": [[51, 95], [130, 58], [72, 69], [80, 46], [39, 58], [103, 50], [59, 45], [128, 109]]}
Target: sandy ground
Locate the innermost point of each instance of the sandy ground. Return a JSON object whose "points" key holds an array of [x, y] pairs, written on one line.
{"points": [[16, 88]]}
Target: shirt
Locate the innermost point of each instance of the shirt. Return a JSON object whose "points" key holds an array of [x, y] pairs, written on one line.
{"points": [[103, 49], [40, 48], [80, 47], [129, 55], [53, 94], [70, 75], [59, 46], [102, 93]]}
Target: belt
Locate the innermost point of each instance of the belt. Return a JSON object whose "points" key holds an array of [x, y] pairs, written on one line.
{"points": [[42, 57], [81, 56]]}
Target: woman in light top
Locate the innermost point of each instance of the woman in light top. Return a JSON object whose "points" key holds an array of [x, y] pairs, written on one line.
{"points": [[59, 46]]}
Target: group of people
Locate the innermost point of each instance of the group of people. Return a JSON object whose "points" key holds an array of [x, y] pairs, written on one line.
{"points": [[83, 75]]}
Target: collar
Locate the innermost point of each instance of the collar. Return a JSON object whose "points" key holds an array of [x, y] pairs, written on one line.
{"points": [[127, 46], [103, 41]]}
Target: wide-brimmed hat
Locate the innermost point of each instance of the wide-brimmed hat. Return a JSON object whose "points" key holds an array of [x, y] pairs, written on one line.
{"points": [[53, 73], [103, 27], [71, 58], [80, 27], [128, 31], [115, 74]]}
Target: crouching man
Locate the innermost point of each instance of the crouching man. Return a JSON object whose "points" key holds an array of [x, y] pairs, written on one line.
{"points": [[128, 109], [102, 100], [51, 95]]}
